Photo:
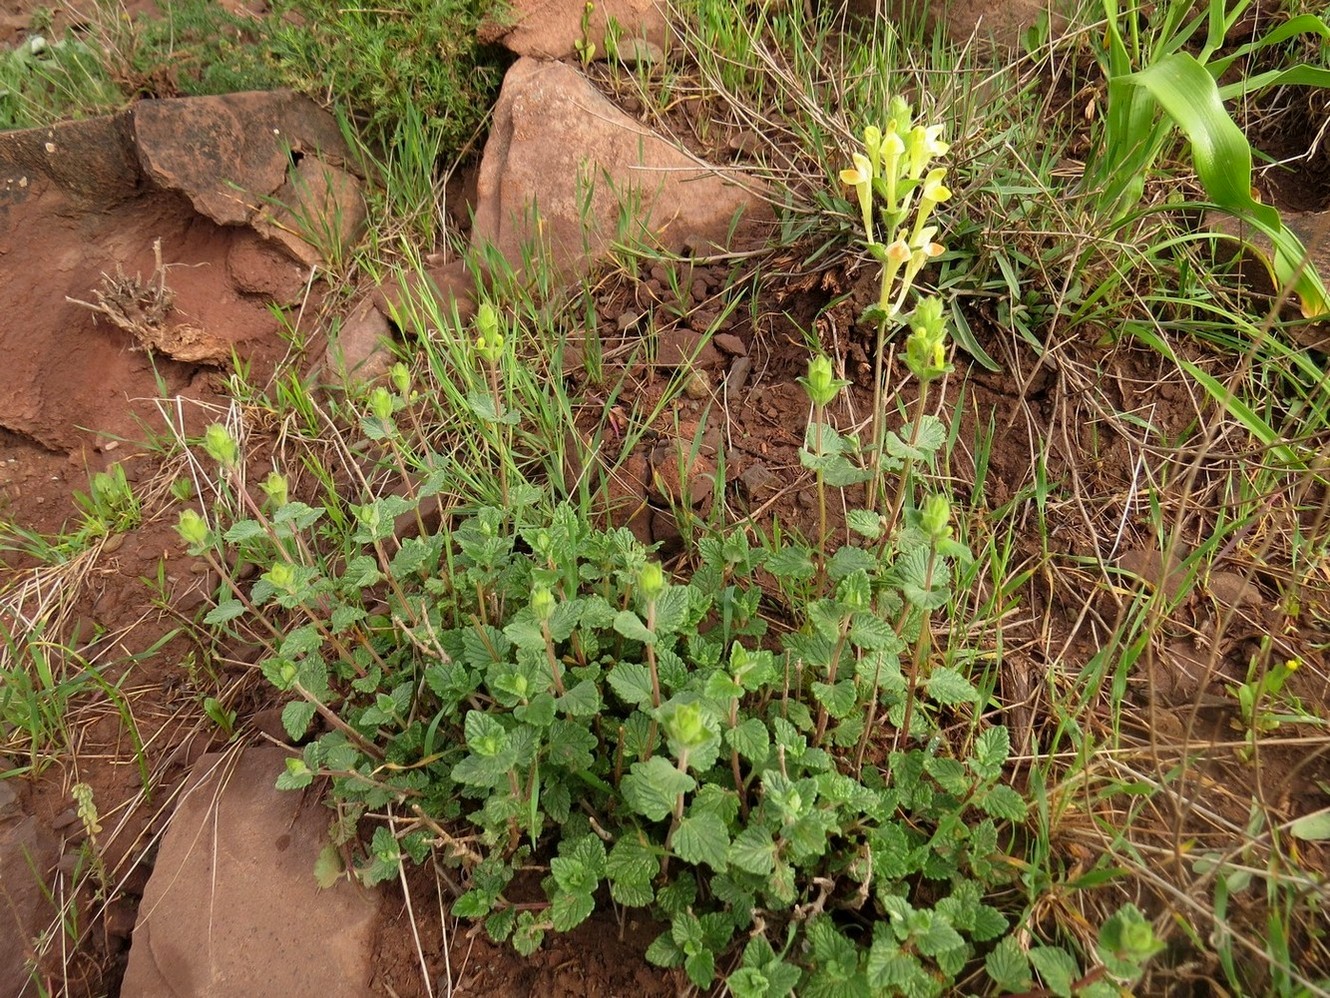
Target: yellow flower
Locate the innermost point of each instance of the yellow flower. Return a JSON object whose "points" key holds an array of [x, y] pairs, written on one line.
{"points": [[860, 177], [934, 190]]}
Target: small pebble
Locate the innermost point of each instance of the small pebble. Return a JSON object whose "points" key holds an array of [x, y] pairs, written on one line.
{"points": [[738, 376]]}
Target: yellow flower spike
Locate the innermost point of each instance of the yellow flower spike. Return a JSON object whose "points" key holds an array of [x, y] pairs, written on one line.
{"points": [[860, 177]]}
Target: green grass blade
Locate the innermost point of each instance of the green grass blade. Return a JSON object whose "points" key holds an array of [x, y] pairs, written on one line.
{"points": [[1222, 157]]}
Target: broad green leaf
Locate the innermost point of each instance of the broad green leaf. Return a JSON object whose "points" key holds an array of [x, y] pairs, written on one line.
{"points": [[702, 839], [242, 531], [1002, 802], [301, 641], [296, 717], [1056, 969], [948, 687], [224, 611], [664, 951], [473, 904], [328, 868], [583, 700], [652, 787], [865, 523], [632, 683], [1312, 827], [411, 557], [839, 699], [570, 909], [631, 627], [671, 610], [295, 776], [499, 925], [791, 562], [991, 749], [1007, 966], [753, 851], [701, 968], [751, 740], [572, 745], [632, 860], [344, 616], [484, 735]]}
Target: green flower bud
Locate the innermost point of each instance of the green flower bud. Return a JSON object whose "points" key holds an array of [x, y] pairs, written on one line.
{"points": [[276, 488], [381, 404], [899, 116], [221, 446], [282, 576], [401, 379], [489, 341], [685, 725], [287, 674], [821, 384], [926, 347], [542, 603], [193, 529], [935, 517], [651, 580]]}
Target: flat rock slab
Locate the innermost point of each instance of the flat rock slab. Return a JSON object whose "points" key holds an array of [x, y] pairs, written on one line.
{"points": [[562, 163], [82, 203], [27, 857], [552, 29], [232, 909]]}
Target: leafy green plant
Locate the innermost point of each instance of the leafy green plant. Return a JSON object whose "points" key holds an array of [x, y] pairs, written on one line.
{"points": [[1153, 70], [642, 740], [109, 505], [1263, 703], [583, 44], [382, 61]]}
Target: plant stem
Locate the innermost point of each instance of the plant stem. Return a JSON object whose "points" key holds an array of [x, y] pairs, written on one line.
{"points": [[907, 470], [734, 762], [832, 670], [920, 650], [553, 660], [819, 412], [500, 434], [678, 815]]}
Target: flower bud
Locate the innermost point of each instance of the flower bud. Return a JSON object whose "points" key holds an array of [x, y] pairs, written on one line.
{"points": [[489, 341], [381, 404], [651, 580], [685, 725], [221, 446], [276, 488], [821, 383], [542, 603], [926, 347], [193, 529], [401, 379], [282, 576], [935, 518]]}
